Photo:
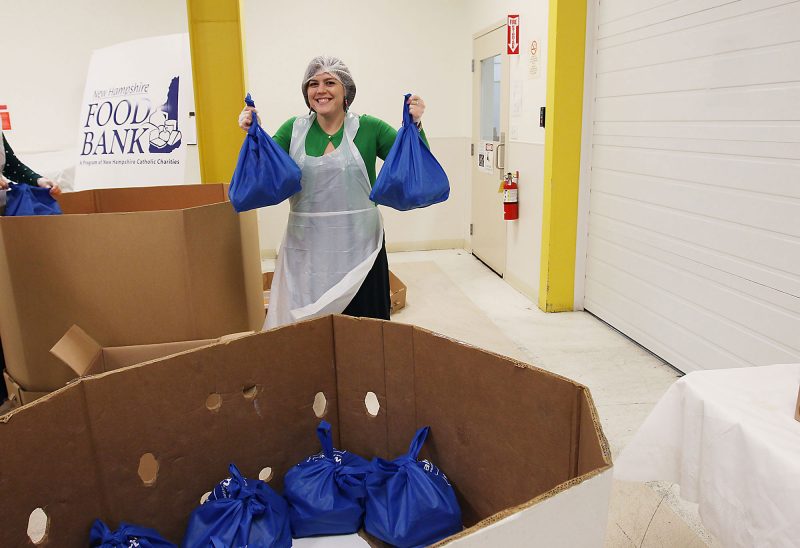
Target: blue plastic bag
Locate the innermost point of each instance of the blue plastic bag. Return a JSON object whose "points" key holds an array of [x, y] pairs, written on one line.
{"points": [[265, 174], [410, 177], [127, 536], [326, 491], [30, 200], [409, 502], [240, 512]]}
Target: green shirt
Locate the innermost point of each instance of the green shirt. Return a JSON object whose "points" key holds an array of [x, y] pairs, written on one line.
{"points": [[373, 140]]}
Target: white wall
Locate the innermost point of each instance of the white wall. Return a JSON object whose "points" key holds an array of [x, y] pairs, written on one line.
{"points": [[525, 151], [46, 48], [419, 46]]}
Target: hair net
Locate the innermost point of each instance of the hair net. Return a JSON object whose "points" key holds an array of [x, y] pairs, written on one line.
{"points": [[336, 68]]}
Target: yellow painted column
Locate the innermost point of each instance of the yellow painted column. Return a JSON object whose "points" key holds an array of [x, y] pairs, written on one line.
{"points": [[564, 117], [218, 71]]}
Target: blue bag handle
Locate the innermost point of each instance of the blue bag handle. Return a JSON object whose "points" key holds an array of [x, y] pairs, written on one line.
{"points": [[254, 124], [100, 534], [325, 438], [417, 442], [408, 121]]}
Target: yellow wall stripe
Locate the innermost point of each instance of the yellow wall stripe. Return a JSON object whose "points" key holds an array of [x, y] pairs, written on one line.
{"points": [[215, 38], [565, 66]]}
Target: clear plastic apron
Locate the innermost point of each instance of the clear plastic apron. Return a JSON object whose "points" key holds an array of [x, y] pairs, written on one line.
{"points": [[334, 233]]}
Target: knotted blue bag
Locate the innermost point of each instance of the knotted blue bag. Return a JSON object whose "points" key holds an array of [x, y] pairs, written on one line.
{"points": [[409, 502], [30, 200], [326, 491], [265, 174], [240, 512], [127, 536], [410, 177]]}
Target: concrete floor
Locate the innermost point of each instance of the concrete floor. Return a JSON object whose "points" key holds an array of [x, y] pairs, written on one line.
{"points": [[453, 293]]}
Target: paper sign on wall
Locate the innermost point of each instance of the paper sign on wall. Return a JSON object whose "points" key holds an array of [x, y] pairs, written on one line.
{"points": [[135, 111], [533, 60], [485, 156]]}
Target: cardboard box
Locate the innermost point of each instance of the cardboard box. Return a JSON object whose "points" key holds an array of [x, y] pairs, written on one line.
{"points": [[18, 395], [85, 356], [397, 292], [797, 407], [266, 284], [132, 266], [523, 447]]}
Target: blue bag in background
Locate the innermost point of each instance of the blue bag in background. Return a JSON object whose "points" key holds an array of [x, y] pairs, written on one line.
{"points": [[410, 177], [127, 536], [240, 512], [30, 200], [265, 174], [326, 491], [410, 503]]}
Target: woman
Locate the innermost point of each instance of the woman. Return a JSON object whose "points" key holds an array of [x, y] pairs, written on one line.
{"points": [[333, 255], [11, 169]]}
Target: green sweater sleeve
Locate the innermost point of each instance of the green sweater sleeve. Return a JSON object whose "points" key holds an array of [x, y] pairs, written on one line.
{"points": [[15, 170], [284, 134]]}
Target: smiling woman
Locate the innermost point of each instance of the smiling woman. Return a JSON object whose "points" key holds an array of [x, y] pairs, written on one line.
{"points": [[333, 255]]}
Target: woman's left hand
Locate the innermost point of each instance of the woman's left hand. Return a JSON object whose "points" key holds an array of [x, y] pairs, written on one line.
{"points": [[44, 182], [416, 107]]}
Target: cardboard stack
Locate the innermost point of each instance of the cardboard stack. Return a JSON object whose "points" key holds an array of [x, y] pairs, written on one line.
{"points": [[131, 266], [523, 447]]}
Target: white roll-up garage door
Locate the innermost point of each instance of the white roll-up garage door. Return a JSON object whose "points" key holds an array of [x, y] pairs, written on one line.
{"points": [[694, 210]]}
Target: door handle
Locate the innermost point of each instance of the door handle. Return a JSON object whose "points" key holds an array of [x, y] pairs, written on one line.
{"points": [[497, 158]]}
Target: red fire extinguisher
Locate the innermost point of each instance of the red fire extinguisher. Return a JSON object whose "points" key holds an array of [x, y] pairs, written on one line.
{"points": [[510, 199]]}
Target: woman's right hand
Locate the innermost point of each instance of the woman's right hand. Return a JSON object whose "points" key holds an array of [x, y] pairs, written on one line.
{"points": [[246, 117], [3, 182]]}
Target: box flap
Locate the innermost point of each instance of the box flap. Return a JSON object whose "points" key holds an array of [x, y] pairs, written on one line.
{"points": [[78, 350], [797, 407]]}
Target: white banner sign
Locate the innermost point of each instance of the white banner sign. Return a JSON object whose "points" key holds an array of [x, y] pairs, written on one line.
{"points": [[135, 114]]}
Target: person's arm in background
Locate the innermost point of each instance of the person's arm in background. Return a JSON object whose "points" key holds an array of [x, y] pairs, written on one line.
{"points": [[18, 172]]}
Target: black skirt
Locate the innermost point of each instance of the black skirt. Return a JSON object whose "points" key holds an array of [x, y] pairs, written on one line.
{"points": [[372, 299]]}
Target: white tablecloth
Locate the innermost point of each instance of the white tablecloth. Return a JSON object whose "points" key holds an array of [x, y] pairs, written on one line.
{"points": [[729, 439]]}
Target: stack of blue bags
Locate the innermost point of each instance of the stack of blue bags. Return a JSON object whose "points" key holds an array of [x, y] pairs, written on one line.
{"points": [[404, 502]]}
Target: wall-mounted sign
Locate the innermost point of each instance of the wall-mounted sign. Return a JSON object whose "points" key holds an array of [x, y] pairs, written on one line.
{"points": [[512, 24]]}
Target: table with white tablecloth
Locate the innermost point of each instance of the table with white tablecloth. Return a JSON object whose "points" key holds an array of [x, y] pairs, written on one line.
{"points": [[729, 438]]}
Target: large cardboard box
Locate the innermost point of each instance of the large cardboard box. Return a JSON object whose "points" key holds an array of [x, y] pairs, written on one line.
{"points": [[130, 266], [523, 447]]}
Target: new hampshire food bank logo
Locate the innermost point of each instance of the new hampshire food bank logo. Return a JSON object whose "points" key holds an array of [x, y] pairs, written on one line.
{"points": [[123, 120]]}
